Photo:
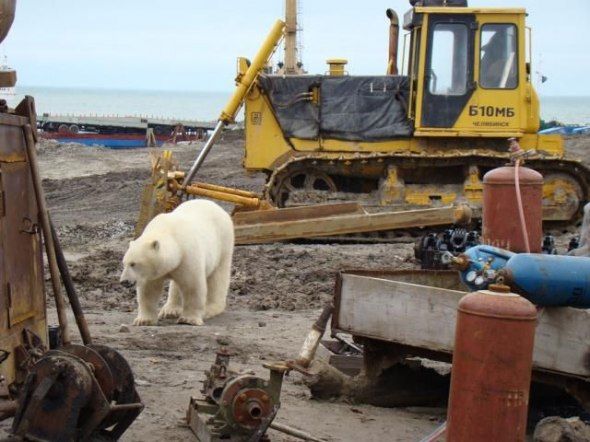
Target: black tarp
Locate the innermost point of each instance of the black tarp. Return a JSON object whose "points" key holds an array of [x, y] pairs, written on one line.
{"points": [[351, 108]]}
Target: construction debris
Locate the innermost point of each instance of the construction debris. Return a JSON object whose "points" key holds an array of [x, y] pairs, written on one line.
{"points": [[235, 407], [240, 407], [96, 397], [558, 429]]}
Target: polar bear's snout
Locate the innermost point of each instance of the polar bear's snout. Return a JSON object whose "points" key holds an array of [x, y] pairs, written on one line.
{"points": [[126, 280]]}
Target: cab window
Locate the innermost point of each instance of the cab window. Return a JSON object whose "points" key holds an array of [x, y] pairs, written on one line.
{"points": [[448, 64], [498, 57]]}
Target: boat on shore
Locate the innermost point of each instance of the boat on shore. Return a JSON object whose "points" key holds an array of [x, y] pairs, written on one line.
{"points": [[113, 141], [119, 132]]}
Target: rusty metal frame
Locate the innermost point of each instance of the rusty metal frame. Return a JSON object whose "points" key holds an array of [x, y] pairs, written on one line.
{"points": [[576, 386]]}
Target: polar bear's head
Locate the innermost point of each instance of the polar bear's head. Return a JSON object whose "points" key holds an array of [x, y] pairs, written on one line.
{"points": [[147, 259]]}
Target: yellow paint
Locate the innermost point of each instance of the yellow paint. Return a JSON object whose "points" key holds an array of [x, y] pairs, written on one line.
{"points": [[425, 196], [473, 187], [337, 66], [391, 190], [265, 142]]}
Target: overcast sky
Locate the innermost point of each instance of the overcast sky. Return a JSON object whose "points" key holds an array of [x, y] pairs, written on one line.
{"points": [[193, 44]]}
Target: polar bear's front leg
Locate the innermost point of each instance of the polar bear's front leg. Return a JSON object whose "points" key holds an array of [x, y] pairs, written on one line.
{"points": [[173, 306], [194, 296], [148, 294]]}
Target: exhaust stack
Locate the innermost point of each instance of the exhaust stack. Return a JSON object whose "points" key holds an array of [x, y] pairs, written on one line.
{"points": [[393, 41]]}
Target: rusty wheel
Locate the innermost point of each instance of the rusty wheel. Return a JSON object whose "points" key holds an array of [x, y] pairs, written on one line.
{"points": [[303, 181]]}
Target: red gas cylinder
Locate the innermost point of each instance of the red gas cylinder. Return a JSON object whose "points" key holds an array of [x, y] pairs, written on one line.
{"points": [[492, 363], [501, 224]]}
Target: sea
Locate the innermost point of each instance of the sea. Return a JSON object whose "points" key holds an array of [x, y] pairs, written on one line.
{"points": [[206, 106]]}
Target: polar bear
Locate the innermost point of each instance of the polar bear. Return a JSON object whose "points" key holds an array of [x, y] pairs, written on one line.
{"points": [[193, 247]]}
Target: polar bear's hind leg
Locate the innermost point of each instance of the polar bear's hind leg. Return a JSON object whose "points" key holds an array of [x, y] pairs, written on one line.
{"points": [[194, 297], [217, 288]]}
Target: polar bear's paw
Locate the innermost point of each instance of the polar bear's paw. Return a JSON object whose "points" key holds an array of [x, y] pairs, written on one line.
{"points": [[190, 320], [168, 312], [144, 321]]}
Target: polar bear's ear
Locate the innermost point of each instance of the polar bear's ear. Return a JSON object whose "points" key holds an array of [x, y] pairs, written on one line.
{"points": [[156, 245]]}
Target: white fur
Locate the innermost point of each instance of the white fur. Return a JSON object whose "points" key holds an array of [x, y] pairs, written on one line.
{"points": [[193, 247]]}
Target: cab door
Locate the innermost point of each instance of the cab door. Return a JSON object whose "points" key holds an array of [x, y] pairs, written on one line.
{"points": [[448, 82]]}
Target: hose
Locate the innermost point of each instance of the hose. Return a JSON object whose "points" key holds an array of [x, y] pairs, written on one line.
{"points": [[303, 96], [438, 432], [523, 228]]}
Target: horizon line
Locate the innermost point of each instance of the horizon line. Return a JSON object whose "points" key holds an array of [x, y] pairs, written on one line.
{"points": [[107, 88]]}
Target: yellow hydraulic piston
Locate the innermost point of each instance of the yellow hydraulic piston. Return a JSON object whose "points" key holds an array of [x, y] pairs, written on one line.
{"points": [[243, 198], [244, 83]]}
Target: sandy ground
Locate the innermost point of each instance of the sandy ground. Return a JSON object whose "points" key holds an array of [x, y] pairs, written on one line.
{"points": [[276, 293]]}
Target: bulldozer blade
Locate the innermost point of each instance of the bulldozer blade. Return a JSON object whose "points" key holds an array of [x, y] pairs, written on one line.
{"points": [[295, 213], [317, 221], [156, 197]]}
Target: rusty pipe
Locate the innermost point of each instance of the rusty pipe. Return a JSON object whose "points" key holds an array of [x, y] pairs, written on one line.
{"points": [[47, 236], [393, 41], [294, 432], [310, 346], [70, 289]]}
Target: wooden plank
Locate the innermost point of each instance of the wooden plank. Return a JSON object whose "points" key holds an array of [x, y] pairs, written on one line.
{"points": [[353, 223], [423, 316]]}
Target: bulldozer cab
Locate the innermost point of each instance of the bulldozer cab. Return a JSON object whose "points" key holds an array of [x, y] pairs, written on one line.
{"points": [[469, 72]]}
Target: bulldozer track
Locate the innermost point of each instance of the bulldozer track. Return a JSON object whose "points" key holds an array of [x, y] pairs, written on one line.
{"points": [[353, 164]]}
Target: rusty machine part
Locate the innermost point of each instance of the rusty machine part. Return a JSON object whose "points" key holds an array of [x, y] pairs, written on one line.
{"points": [[501, 226], [242, 407], [492, 366], [22, 293], [75, 393], [235, 407]]}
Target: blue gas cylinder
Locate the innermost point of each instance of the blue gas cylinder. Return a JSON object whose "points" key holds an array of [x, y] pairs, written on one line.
{"points": [[549, 280]]}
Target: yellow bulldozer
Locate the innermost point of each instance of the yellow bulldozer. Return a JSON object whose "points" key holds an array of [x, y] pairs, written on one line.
{"points": [[423, 135]]}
